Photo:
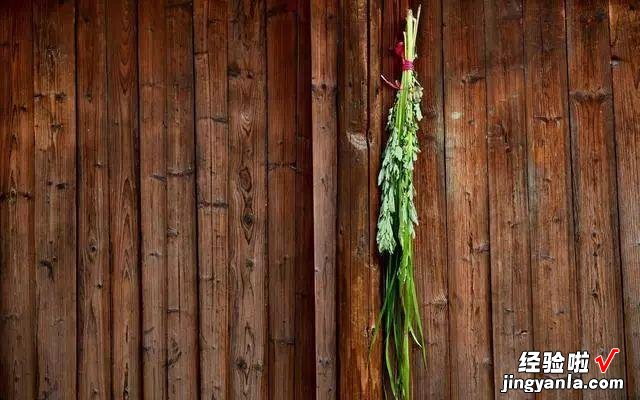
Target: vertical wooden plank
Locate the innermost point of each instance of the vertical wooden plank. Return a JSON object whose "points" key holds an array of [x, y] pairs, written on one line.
{"points": [[281, 155], [17, 262], [324, 128], [182, 292], [212, 137], [430, 251], [304, 367], [467, 200], [153, 194], [376, 124], [247, 203], [94, 323], [393, 17], [508, 198], [625, 42], [359, 377], [594, 184], [55, 197], [553, 273], [122, 103]]}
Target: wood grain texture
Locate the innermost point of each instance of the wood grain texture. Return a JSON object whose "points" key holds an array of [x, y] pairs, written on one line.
{"points": [[594, 185], [122, 100], [393, 21], [228, 250], [359, 378], [152, 84], [430, 251], [304, 364], [553, 273], [182, 274], [55, 197], [247, 199], [374, 134], [282, 40], [212, 162], [94, 294], [18, 363], [624, 20], [324, 63], [467, 200], [508, 197]]}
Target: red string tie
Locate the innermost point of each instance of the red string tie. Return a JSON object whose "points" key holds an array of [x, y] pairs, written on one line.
{"points": [[407, 65], [395, 85]]}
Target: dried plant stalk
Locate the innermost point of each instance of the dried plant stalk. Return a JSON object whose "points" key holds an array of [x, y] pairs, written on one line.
{"points": [[400, 314]]}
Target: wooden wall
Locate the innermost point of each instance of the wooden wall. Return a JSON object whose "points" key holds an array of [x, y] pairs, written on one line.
{"points": [[156, 191], [188, 195], [526, 189]]}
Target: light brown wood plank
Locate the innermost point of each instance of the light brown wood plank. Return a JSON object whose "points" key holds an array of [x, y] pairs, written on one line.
{"points": [[594, 185], [553, 273], [324, 138], [17, 245], [359, 378], [248, 199], [153, 194], [94, 300], [182, 292], [281, 39], [467, 200], [55, 197], [212, 147], [122, 104], [508, 197], [624, 20]]}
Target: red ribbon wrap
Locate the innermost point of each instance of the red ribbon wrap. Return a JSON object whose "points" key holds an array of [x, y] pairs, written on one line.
{"points": [[407, 65]]}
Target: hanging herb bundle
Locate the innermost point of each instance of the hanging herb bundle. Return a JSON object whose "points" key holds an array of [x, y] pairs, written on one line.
{"points": [[400, 315]]}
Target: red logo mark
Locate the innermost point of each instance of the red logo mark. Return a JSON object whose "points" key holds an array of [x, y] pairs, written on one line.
{"points": [[604, 365]]}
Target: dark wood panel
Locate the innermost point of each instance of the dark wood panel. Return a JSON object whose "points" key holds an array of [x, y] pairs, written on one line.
{"points": [[553, 274], [212, 162], [305, 368], [182, 293], [508, 199], [94, 293], [18, 364], [247, 199], [594, 185], [374, 134], [467, 200], [122, 106], [624, 20], [282, 36], [153, 194], [324, 63], [228, 250], [55, 197]]}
